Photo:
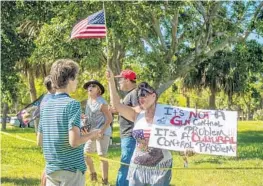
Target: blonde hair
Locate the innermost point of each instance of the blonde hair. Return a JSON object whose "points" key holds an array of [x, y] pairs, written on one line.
{"points": [[99, 90]]}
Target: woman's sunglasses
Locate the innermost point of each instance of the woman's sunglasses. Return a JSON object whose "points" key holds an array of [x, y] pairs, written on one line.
{"points": [[92, 85], [144, 92]]}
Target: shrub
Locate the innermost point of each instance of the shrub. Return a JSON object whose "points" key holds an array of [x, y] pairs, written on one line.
{"points": [[258, 115]]}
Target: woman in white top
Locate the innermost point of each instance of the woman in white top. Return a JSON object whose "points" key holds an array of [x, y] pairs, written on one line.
{"points": [[97, 116], [149, 166]]}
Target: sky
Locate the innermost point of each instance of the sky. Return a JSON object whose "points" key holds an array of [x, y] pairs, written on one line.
{"points": [[256, 37]]}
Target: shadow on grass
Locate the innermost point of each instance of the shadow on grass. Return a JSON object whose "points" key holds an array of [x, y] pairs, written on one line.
{"points": [[250, 137], [13, 129], [210, 160], [250, 145], [21, 181], [114, 151], [24, 158], [32, 149]]}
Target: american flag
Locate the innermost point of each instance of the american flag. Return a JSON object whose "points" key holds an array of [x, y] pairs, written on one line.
{"points": [[141, 134], [147, 133], [30, 112], [91, 27]]}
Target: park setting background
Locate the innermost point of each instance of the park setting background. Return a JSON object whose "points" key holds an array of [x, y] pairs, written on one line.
{"points": [[23, 162], [203, 55]]}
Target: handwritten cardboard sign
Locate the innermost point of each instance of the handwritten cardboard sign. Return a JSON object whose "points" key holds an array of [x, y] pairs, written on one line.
{"points": [[205, 131]]}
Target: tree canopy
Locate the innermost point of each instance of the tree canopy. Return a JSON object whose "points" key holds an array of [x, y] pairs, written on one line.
{"points": [[163, 40]]}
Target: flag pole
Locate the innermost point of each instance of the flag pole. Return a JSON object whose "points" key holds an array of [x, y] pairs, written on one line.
{"points": [[107, 41], [107, 47]]}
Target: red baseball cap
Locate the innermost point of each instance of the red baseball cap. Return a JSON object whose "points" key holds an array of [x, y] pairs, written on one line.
{"points": [[127, 74]]}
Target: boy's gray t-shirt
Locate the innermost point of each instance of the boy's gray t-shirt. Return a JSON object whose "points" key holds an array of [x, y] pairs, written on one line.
{"points": [[96, 118], [126, 126]]}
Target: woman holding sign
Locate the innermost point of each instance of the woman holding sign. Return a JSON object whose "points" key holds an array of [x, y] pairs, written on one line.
{"points": [[148, 165]]}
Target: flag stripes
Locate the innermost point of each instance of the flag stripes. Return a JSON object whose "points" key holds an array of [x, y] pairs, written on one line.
{"points": [[91, 27]]}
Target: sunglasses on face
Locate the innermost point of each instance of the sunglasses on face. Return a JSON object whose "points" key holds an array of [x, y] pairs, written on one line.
{"points": [[144, 93], [92, 86]]}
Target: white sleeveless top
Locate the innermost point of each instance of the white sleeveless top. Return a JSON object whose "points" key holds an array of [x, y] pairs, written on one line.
{"points": [[148, 164], [95, 117]]}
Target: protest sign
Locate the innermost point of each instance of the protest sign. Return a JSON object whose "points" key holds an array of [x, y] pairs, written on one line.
{"points": [[205, 131]]}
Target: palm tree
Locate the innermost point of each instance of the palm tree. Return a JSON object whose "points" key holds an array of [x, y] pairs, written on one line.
{"points": [[29, 29], [209, 74]]}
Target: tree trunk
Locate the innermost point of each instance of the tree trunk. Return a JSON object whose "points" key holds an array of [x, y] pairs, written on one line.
{"points": [[164, 86], [187, 101], [212, 99], [251, 114], [248, 112], [5, 111], [196, 106], [115, 66], [32, 88], [16, 106], [33, 93], [229, 101], [44, 70], [115, 55]]}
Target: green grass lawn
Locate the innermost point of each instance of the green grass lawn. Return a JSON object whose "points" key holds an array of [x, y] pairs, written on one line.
{"points": [[23, 162]]}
